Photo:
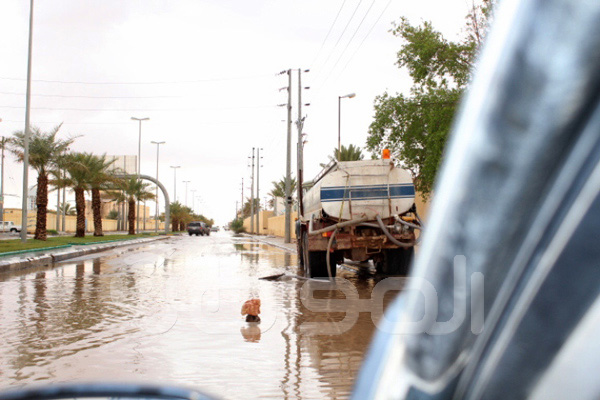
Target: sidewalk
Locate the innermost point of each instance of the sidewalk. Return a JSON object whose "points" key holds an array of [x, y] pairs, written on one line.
{"points": [[275, 241], [48, 256]]}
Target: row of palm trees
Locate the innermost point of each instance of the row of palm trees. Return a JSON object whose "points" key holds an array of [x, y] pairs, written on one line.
{"points": [[182, 215], [80, 171]]}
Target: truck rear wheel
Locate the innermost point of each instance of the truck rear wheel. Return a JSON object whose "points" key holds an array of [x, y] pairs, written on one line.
{"points": [[315, 262], [395, 261]]}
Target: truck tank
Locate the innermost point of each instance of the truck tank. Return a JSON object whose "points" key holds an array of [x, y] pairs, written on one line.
{"points": [[355, 189]]}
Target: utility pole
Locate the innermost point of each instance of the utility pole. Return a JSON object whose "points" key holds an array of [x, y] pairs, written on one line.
{"points": [[3, 144], [258, 189], [242, 207], [288, 166], [300, 149], [252, 196], [139, 160], [175, 181], [186, 192], [156, 199]]}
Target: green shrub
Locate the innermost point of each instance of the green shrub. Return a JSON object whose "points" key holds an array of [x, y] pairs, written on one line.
{"points": [[113, 214], [237, 225]]}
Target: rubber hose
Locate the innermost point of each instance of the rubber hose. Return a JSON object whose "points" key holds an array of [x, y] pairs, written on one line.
{"points": [[329, 254], [389, 235], [403, 222]]}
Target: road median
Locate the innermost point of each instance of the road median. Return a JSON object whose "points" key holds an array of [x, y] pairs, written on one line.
{"points": [[30, 258]]}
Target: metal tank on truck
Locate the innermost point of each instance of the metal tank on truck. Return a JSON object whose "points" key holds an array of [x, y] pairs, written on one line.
{"points": [[358, 210]]}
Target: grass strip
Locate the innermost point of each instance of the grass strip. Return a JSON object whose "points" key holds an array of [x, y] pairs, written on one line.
{"points": [[15, 245]]}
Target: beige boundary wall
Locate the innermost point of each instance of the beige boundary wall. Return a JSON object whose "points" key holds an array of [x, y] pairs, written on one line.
{"points": [[270, 225], [277, 225], [263, 220], [14, 215]]}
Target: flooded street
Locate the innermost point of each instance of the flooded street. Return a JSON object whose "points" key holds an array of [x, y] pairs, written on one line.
{"points": [[169, 312]]}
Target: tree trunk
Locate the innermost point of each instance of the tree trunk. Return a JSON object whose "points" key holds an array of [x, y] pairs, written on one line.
{"points": [[97, 210], [181, 225], [174, 224], [41, 202], [80, 208], [131, 216]]}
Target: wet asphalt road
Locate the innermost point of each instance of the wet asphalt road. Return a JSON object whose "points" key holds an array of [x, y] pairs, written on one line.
{"points": [[170, 312]]}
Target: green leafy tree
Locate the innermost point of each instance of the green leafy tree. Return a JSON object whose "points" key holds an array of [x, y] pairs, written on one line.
{"points": [[44, 152], [415, 127]]}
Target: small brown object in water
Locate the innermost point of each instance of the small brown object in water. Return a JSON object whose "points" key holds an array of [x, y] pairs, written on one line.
{"points": [[252, 318], [251, 309]]}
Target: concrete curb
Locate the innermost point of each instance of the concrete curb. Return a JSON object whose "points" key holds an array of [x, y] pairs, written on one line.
{"points": [[46, 257], [290, 247]]}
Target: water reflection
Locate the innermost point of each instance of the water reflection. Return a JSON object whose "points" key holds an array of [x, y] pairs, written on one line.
{"points": [[171, 312], [251, 332]]}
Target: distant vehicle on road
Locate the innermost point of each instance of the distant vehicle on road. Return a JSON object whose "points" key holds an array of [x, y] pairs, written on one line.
{"points": [[198, 228], [9, 226], [214, 229]]}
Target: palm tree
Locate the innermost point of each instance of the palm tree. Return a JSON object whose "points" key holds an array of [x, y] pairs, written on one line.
{"points": [[100, 177], [248, 207], [67, 209], [177, 215], [350, 153], [187, 217], [44, 151], [279, 187], [77, 166], [134, 189]]}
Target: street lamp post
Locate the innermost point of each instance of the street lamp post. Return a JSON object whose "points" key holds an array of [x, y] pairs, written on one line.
{"points": [[26, 133], [175, 181], [139, 162], [156, 199], [348, 96], [186, 191]]}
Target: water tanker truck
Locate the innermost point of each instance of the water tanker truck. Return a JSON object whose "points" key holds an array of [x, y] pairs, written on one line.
{"points": [[358, 210]]}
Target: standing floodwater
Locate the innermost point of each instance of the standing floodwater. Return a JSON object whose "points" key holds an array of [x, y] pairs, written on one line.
{"points": [[169, 312]]}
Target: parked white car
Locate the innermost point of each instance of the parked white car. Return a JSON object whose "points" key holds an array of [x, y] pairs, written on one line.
{"points": [[9, 226]]}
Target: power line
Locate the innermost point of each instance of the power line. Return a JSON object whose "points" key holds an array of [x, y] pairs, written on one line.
{"points": [[140, 109], [350, 41], [91, 97], [129, 123], [340, 38], [329, 32], [142, 83], [365, 38]]}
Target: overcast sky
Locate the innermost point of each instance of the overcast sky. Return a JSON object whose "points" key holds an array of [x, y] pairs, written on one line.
{"points": [[205, 73]]}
